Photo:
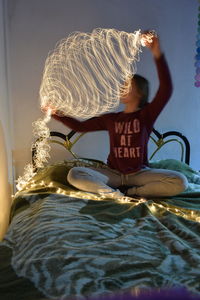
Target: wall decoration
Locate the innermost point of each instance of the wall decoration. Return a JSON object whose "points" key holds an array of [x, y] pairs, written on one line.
{"points": [[197, 56]]}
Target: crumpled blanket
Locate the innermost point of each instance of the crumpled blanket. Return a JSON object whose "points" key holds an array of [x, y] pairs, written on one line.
{"points": [[74, 244]]}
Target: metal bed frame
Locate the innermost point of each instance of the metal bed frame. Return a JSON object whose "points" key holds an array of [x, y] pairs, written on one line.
{"points": [[159, 139]]}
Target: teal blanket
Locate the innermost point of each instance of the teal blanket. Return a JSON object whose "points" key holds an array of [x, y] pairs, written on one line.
{"points": [[69, 243]]}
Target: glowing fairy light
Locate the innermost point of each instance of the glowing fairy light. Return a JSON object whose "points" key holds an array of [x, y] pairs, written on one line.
{"points": [[136, 201], [42, 133], [83, 77], [152, 208], [28, 174], [185, 213]]}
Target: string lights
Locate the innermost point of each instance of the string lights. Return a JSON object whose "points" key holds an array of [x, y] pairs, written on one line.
{"points": [[84, 75], [182, 212], [193, 215], [42, 147]]}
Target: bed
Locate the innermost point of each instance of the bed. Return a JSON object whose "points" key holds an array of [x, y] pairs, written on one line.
{"points": [[63, 243]]}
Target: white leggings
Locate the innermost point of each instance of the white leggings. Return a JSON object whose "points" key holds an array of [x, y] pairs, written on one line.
{"points": [[145, 183]]}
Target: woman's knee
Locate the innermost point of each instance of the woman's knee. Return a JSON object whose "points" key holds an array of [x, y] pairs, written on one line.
{"points": [[181, 183], [75, 175]]}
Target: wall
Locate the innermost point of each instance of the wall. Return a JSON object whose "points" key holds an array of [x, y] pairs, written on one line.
{"points": [[5, 132], [36, 26], [5, 112]]}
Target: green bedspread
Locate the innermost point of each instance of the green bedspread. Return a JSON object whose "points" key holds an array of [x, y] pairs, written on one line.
{"points": [[65, 242]]}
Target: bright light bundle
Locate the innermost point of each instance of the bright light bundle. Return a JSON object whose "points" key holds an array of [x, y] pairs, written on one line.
{"points": [[42, 149], [83, 77]]}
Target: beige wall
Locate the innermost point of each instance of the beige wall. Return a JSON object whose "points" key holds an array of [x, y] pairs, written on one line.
{"points": [[5, 131]]}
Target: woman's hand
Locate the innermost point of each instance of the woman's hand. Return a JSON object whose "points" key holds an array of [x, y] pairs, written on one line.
{"points": [[151, 41], [48, 110], [52, 111]]}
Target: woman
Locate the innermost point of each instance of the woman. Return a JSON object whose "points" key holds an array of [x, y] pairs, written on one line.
{"points": [[127, 165]]}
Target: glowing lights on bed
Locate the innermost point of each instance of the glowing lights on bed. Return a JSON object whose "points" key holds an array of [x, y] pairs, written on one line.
{"points": [[193, 216], [42, 133], [136, 201], [154, 207]]}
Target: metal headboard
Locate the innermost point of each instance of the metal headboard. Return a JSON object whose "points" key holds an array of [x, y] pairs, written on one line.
{"points": [[158, 138], [180, 139]]}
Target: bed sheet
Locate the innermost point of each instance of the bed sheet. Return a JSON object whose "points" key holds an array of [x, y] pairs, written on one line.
{"points": [[64, 243]]}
